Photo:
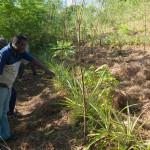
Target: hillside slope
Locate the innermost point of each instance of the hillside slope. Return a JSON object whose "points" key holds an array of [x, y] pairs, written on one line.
{"points": [[45, 124]]}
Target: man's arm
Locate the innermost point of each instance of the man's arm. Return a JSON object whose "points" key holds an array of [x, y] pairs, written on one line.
{"points": [[31, 59], [43, 67], [3, 58]]}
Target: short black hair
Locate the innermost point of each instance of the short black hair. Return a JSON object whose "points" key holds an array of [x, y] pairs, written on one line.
{"points": [[19, 38]]}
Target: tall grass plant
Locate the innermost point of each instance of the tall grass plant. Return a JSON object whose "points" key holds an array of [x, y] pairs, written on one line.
{"points": [[106, 127]]}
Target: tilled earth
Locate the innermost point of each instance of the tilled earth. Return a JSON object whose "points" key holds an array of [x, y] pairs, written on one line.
{"points": [[44, 124]]}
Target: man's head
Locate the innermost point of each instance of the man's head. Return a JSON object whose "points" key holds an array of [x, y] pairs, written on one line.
{"points": [[19, 43], [3, 42]]}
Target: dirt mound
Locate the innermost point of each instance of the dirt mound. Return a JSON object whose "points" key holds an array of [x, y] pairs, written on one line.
{"points": [[131, 66]]}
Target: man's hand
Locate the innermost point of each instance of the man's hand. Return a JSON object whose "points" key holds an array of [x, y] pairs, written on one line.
{"points": [[42, 66], [52, 74]]}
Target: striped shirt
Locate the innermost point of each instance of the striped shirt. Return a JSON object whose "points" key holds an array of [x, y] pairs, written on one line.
{"points": [[9, 64]]}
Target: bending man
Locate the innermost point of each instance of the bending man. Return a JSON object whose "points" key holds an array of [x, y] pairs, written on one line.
{"points": [[10, 60]]}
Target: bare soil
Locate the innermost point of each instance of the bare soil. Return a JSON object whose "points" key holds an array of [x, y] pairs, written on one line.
{"points": [[44, 124]]}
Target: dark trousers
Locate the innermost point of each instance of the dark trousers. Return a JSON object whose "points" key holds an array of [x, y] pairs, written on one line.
{"points": [[12, 101], [22, 68]]}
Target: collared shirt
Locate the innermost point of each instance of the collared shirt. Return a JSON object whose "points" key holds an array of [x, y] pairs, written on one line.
{"points": [[9, 64]]}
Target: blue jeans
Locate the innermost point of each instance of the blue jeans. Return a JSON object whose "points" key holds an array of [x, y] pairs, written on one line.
{"points": [[5, 94], [12, 101]]}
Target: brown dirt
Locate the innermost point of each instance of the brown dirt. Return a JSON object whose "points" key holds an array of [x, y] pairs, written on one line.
{"points": [[131, 66], [45, 125]]}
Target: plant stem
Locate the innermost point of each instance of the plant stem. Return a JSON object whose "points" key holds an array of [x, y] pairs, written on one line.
{"points": [[78, 24], [85, 106]]}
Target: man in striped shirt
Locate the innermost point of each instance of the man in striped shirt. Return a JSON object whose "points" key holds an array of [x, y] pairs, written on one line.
{"points": [[10, 60]]}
